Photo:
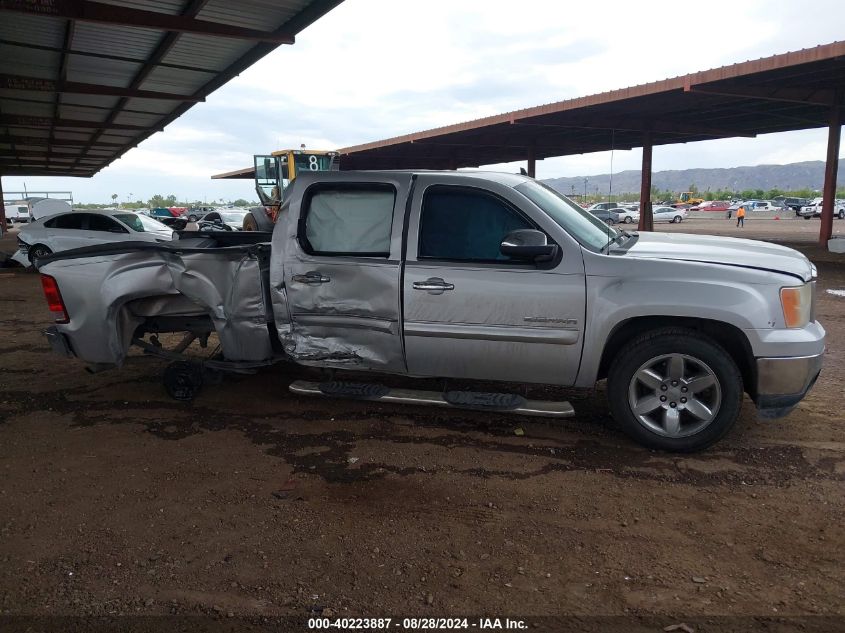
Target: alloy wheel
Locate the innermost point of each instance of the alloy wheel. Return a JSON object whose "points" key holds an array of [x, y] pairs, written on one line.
{"points": [[674, 395]]}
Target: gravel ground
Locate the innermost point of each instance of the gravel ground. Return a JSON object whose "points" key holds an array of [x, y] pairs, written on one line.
{"points": [[253, 502]]}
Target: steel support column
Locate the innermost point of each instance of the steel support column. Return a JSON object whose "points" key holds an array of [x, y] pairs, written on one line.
{"points": [[830, 168], [532, 162], [2, 208], [646, 217]]}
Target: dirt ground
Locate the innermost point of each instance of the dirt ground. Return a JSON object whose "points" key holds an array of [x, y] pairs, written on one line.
{"points": [[115, 499]]}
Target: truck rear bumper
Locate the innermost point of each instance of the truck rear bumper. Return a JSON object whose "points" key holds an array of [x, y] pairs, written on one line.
{"points": [[783, 382], [58, 342]]}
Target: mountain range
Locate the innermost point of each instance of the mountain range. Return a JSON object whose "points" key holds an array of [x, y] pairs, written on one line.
{"points": [[791, 177]]}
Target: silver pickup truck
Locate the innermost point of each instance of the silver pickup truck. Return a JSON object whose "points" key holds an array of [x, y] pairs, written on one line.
{"points": [[469, 275]]}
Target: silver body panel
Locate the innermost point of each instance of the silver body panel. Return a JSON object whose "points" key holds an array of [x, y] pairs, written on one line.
{"points": [[405, 314]]}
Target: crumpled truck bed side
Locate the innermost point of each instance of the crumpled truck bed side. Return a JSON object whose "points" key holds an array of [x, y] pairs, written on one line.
{"points": [[110, 291]]}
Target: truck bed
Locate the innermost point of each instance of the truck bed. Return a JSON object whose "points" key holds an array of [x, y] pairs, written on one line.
{"points": [[203, 282]]}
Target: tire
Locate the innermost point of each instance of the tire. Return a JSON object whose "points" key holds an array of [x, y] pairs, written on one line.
{"points": [[677, 219], [39, 250], [683, 431], [257, 220], [807, 217], [628, 219], [609, 222], [841, 214]]}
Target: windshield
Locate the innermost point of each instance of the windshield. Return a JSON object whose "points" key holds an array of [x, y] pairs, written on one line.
{"points": [[233, 216], [580, 224], [141, 223]]}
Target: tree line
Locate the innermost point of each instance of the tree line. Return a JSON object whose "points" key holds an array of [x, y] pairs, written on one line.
{"points": [[171, 200]]}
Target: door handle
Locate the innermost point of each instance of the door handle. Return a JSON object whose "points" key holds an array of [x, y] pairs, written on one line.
{"points": [[312, 278], [433, 284]]}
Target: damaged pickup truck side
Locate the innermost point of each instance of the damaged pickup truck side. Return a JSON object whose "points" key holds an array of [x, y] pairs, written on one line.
{"points": [[470, 275]]}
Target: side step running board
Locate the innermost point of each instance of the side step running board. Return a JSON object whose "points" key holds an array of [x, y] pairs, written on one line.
{"points": [[500, 402]]}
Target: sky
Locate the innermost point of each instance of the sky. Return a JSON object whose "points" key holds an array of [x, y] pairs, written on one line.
{"points": [[372, 69]]}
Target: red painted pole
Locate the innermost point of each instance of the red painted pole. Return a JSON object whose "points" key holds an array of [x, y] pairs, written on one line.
{"points": [[646, 217], [830, 168]]}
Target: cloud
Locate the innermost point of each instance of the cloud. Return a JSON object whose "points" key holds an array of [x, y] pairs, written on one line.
{"points": [[372, 69]]}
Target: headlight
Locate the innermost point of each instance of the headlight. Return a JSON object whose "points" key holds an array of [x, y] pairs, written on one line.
{"points": [[797, 303]]}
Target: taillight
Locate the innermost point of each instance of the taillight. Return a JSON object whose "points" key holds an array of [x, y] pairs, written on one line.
{"points": [[54, 299]]}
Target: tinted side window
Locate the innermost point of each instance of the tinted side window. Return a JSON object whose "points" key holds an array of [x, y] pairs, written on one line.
{"points": [[66, 221], [103, 223], [465, 225], [348, 220]]}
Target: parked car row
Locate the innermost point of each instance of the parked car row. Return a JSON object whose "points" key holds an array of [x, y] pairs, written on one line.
{"points": [[76, 229], [630, 214], [814, 209]]}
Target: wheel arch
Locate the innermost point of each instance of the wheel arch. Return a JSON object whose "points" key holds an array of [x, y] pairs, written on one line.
{"points": [[728, 336]]}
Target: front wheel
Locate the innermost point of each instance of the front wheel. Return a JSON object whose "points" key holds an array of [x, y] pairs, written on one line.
{"points": [[628, 219], [677, 219], [841, 214], [675, 389]]}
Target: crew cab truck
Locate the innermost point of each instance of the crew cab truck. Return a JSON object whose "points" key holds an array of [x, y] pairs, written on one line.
{"points": [[480, 276]]}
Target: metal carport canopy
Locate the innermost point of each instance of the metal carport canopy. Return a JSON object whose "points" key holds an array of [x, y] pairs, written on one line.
{"points": [[786, 92], [82, 82], [792, 91]]}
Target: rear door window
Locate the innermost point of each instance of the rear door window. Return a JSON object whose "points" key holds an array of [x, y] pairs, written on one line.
{"points": [[348, 219], [104, 223], [66, 221]]}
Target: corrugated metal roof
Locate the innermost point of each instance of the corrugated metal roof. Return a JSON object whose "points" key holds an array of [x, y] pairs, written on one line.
{"points": [[210, 53], [93, 87], [252, 14], [784, 92]]}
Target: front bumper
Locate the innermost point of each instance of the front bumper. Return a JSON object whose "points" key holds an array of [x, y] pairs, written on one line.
{"points": [[783, 382]]}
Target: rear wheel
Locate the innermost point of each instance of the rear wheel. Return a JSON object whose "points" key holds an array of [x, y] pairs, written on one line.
{"points": [[609, 222], [841, 214], [675, 389], [39, 250]]}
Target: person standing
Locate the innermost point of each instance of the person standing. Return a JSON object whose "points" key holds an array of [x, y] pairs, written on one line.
{"points": [[740, 216]]}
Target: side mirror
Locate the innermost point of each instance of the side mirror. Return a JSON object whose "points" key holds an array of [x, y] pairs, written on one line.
{"points": [[528, 244]]}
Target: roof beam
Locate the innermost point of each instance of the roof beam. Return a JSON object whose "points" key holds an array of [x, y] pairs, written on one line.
{"points": [[641, 125], [89, 11], [24, 120], [46, 161], [117, 58], [83, 105], [37, 84], [9, 153], [788, 95], [42, 141]]}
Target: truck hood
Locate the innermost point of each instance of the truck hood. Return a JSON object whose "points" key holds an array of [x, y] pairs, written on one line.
{"points": [[728, 251]]}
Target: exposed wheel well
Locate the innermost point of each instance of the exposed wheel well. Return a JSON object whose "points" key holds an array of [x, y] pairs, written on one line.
{"points": [[35, 246], [728, 336]]}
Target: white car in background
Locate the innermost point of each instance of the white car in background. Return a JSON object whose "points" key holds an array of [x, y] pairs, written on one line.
{"points": [[76, 229], [627, 214], [669, 214], [233, 218], [814, 209]]}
